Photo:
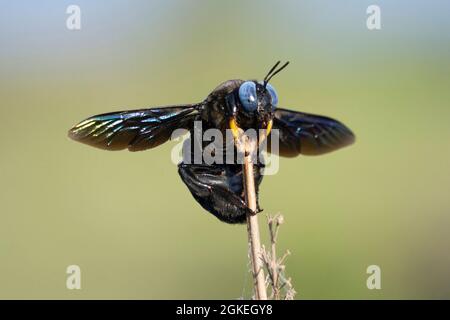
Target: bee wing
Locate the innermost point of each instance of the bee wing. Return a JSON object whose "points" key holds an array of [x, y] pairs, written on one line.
{"points": [[308, 134], [135, 129]]}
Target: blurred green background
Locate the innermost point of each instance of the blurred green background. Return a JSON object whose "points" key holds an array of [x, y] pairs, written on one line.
{"points": [[127, 219]]}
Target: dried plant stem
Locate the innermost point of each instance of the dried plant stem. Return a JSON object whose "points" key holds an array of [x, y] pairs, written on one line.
{"points": [[273, 262], [281, 286], [252, 224]]}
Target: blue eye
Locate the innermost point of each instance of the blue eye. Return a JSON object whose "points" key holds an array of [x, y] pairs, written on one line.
{"points": [[273, 94], [247, 95]]}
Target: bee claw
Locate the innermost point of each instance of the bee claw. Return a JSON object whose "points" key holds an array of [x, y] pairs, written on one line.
{"points": [[258, 210]]}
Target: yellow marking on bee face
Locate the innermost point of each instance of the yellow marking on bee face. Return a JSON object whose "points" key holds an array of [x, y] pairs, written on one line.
{"points": [[264, 134], [269, 127], [234, 128]]}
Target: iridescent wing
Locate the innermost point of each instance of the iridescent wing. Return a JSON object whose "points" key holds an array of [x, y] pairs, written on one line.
{"points": [[136, 129], [308, 134]]}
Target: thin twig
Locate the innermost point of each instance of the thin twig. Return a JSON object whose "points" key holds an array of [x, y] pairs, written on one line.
{"points": [[273, 240], [281, 288], [252, 222]]}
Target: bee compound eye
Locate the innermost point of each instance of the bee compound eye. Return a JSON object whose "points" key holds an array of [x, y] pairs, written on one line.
{"points": [[247, 96], [273, 95]]}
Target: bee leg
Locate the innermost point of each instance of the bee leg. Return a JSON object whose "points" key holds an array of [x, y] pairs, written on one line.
{"points": [[218, 189]]}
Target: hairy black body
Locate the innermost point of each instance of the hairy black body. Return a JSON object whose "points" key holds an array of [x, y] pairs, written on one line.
{"points": [[232, 105]]}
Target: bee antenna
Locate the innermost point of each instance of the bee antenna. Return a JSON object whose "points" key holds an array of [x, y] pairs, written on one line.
{"points": [[272, 72]]}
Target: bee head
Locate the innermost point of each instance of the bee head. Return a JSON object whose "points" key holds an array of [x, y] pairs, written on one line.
{"points": [[257, 102]]}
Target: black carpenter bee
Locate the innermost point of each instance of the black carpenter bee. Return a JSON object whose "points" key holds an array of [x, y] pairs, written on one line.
{"points": [[233, 105]]}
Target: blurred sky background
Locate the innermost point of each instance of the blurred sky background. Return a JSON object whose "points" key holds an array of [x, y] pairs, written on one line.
{"points": [[127, 219]]}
